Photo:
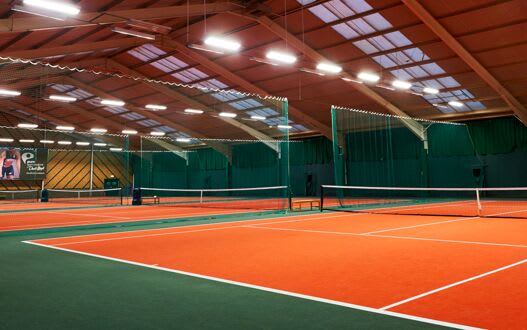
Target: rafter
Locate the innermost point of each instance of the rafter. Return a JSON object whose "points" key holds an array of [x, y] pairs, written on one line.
{"points": [[196, 104], [436, 27], [222, 148], [33, 23], [315, 56], [241, 82]]}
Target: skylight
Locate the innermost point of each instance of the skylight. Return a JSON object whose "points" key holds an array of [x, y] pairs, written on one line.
{"points": [[374, 24]]}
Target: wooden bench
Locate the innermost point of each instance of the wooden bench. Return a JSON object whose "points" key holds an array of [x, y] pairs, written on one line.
{"points": [[296, 205], [155, 199]]}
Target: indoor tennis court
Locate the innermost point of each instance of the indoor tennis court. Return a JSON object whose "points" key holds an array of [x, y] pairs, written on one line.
{"points": [[274, 164]]}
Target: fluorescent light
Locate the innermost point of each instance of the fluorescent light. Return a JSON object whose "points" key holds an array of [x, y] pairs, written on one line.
{"points": [[205, 49], [258, 117], [351, 80], [65, 128], [329, 67], [47, 141], [134, 33], [99, 130], [62, 98], [81, 143], [430, 90], [366, 76], [281, 57], [156, 107], [7, 92], [193, 111], [26, 141], [228, 114], [116, 149], [6, 140], [113, 102], [312, 71], [129, 131], [56, 6], [99, 144], [285, 126], [401, 84], [222, 43], [24, 125], [157, 133], [182, 139], [455, 104], [64, 142]]}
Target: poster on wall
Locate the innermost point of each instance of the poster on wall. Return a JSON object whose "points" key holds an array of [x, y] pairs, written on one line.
{"points": [[23, 163]]}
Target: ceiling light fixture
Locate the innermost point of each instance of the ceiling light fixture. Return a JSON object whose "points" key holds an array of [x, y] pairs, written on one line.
{"points": [[285, 126], [112, 103], [351, 80], [133, 33], [156, 28], [370, 77], [62, 98], [25, 125], [47, 141], [329, 67], [205, 49], [196, 111], [65, 128], [228, 114], [155, 107], [99, 130], [157, 133], [430, 90], [81, 143], [56, 6], [456, 104], [311, 71], [116, 149], [7, 92], [258, 117], [26, 141], [186, 140], [401, 84], [64, 142], [6, 140], [223, 43], [129, 131], [281, 57], [100, 144]]}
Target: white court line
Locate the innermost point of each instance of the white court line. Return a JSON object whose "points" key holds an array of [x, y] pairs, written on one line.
{"points": [[387, 236], [169, 233], [92, 215], [453, 285], [420, 225], [272, 290]]}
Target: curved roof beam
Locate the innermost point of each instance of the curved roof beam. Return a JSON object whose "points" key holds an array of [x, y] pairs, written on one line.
{"points": [[436, 27]]}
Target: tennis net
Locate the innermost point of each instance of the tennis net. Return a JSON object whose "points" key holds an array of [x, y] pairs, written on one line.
{"points": [[260, 198], [88, 197], [464, 202], [19, 196]]}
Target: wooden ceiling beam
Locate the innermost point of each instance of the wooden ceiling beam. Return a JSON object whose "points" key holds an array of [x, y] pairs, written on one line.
{"points": [[433, 24], [241, 82], [472, 115], [35, 23], [224, 149], [317, 57]]}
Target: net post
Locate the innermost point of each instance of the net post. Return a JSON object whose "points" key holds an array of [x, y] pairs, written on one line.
{"points": [[478, 200], [289, 198], [321, 198], [201, 196]]}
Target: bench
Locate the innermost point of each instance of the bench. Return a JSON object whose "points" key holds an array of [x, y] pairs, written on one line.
{"points": [[155, 199], [296, 205]]}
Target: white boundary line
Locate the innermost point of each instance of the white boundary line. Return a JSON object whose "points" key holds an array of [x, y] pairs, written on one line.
{"points": [[267, 289], [178, 231], [420, 225], [453, 285], [384, 236]]}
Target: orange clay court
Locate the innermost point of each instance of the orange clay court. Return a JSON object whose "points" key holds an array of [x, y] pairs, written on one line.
{"points": [[461, 272]]}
